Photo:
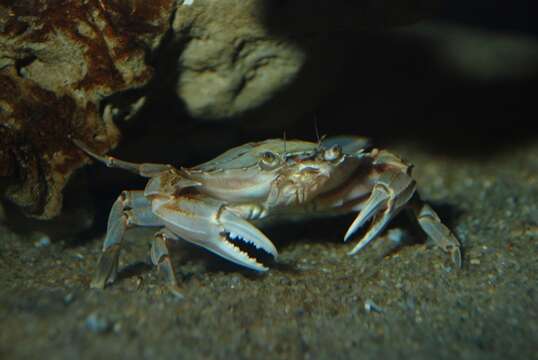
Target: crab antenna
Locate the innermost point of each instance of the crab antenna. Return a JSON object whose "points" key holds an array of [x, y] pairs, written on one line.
{"points": [[320, 139], [284, 136]]}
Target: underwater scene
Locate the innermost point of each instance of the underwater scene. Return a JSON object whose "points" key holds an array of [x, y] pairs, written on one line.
{"points": [[196, 179]]}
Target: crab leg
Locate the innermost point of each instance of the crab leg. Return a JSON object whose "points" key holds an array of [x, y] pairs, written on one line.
{"points": [[130, 208], [211, 225], [144, 169], [160, 257], [440, 235]]}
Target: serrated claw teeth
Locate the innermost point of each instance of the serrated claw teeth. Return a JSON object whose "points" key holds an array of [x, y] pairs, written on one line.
{"points": [[234, 236], [237, 228], [233, 253]]}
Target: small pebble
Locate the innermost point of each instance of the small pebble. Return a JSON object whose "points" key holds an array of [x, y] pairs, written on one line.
{"points": [[235, 282], [397, 236], [68, 299], [97, 324], [78, 256], [43, 241], [117, 327], [139, 282], [371, 306]]}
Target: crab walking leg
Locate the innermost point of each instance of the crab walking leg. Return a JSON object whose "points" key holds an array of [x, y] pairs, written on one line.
{"points": [[392, 191], [130, 208], [160, 257], [144, 169], [431, 224]]}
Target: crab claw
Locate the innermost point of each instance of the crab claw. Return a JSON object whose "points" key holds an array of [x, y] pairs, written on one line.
{"points": [[238, 229], [391, 193], [377, 199], [377, 227], [210, 225]]}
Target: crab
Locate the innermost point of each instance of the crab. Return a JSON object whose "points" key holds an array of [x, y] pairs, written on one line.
{"points": [[221, 202]]}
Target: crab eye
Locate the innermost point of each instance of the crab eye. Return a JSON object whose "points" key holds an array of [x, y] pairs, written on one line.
{"points": [[268, 160], [333, 153], [268, 157]]}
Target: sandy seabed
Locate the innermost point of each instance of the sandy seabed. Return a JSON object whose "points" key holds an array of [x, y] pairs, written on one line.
{"points": [[316, 302]]}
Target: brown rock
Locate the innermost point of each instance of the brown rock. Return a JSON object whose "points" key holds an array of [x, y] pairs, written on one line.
{"points": [[59, 61]]}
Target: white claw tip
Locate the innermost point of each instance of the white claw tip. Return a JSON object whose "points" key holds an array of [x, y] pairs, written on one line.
{"points": [[357, 248]]}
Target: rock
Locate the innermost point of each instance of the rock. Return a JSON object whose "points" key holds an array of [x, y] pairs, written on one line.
{"points": [[59, 64], [230, 63]]}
